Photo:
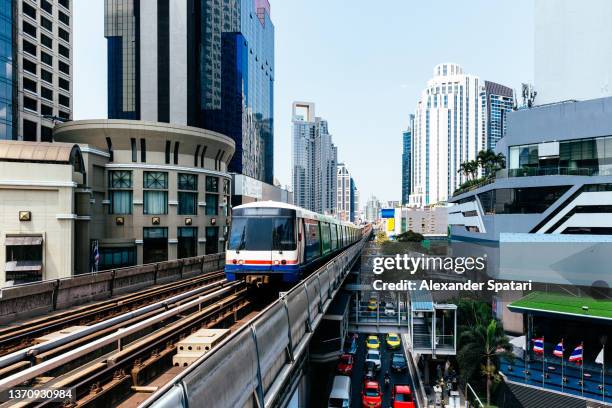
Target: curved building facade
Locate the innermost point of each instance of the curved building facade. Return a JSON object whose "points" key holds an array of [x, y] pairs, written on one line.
{"points": [[158, 191]]}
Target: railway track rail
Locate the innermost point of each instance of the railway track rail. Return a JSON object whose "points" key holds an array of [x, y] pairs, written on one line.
{"points": [[109, 369], [16, 337]]}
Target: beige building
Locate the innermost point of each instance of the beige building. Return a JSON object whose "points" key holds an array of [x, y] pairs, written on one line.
{"points": [[150, 192]]}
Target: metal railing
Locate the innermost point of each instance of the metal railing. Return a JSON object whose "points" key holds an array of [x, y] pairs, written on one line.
{"points": [[555, 171], [251, 366]]}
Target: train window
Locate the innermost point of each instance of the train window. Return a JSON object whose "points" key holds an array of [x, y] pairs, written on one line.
{"points": [[313, 246], [334, 237], [262, 234], [325, 237]]}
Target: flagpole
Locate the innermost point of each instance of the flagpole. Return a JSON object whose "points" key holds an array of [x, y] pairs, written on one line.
{"points": [[543, 355]]}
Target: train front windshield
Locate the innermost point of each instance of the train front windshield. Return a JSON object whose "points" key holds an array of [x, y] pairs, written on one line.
{"points": [[262, 233]]}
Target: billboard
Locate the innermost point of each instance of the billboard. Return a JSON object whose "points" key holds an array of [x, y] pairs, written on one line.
{"points": [[391, 224], [387, 213]]}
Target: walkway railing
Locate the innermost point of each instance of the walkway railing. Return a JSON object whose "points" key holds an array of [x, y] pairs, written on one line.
{"points": [[251, 366]]}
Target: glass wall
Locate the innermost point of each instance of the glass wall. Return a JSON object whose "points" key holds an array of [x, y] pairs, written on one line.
{"points": [[6, 70], [187, 242], [111, 258], [529, 200], [187, 195], [581, 157]]}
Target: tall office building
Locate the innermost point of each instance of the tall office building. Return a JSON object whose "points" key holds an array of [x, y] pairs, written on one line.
{"points": [[348, 195], [36, 67], [372, 210], [406, 166], [208, 64], [582, 68], [315, 160], [450, 127], [497, 101]]}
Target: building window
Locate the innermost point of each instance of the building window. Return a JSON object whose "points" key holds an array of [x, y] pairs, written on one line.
{"points": [[29, 85], [29, 29], [46, 134], [46, 41], [46, 76], [65, 4], [46, 58], [46, 110], [529, 200], [120, 192], [187, 196], [167, 152], [30, 104], [112, 258], [45, 5], [63, 17], [155, 193], [212, 204], [134, 152], [63, 67], [63, 34], [29, 10], [226, 186], [64, 115], [30, 131], [64, 84], [155, 245], [212, 240], [63, 51], [143, 150], [23, 259], [187, 242], [46, 23], [176, 152], [212, 184], [46, 93], [29, 66], [29, 48]]}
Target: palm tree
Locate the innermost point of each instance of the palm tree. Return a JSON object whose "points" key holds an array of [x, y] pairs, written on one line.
{"points": [[481, 346]]}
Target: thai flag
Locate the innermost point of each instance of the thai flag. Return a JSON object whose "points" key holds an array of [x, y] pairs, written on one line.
{"points": [[576, 354], [538, 345], [558, 351], [96, 255]]}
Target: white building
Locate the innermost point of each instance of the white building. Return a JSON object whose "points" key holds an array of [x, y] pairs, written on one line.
{"points": [[315, 161], [448, 130], [582, 67]]}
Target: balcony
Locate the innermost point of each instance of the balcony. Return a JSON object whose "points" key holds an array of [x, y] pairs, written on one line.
{"points": [[557, 171]]}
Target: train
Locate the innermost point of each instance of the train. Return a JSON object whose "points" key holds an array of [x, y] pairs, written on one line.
{"points": [[272, 242]]}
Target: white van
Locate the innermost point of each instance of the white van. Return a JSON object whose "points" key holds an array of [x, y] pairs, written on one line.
{"points": [[340, 395]]}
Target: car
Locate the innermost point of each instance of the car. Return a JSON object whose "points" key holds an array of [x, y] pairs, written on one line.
{"points": [[398, 362], [345, 365], [389, 309], [371, 397], [340, 395], [373, 304], [393, 341], [373, 356], [369, 372], [401, 395], [372, 342]]}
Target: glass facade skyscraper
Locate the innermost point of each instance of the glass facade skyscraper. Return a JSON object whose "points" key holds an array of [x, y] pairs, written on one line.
{"points": [[499, 100], [406, 155], [6, 70], [202, 63]]}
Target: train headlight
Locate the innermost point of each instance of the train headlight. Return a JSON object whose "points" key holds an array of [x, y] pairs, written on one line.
{"points": [[234, 262], [284, 262], [275, 262]]}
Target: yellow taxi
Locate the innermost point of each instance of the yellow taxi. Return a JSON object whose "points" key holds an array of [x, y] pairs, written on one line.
{"points": [[393, 341], [372, 303], [372, 342]]}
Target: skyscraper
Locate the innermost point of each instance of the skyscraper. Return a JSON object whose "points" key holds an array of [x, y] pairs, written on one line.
{"points": [[315, 160], [36, 59], [348, 195], [451, 126], [207, 63], [497, 101], [406, 154]]}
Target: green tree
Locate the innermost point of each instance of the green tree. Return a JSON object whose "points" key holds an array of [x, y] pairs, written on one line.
{"points": [[481, 344], [409, 236]]}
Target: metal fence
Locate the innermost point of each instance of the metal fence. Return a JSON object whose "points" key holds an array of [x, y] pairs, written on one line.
{"points": [[250, 367]]}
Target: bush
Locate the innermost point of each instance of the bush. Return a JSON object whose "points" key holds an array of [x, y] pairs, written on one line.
{"points": [[409, 236]]}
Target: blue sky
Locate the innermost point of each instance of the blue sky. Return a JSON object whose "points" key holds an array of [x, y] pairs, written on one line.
{"points": [[364, 64]]}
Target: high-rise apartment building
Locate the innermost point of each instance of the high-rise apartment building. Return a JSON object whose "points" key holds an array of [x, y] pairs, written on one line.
{"points": [[451, 125], [348, 195], [36, 62], [207, 64], [315, 160], [406, 167], [372, 210], [497, 101]]}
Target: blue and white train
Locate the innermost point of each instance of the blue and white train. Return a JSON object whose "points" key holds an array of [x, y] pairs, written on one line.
{"points": [[277, 242]]}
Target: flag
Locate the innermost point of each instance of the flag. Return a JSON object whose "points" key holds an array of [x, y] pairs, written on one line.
{"points": [[576, 354], [558, 351], [600, 357], [96, 254], [538, 345]]}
